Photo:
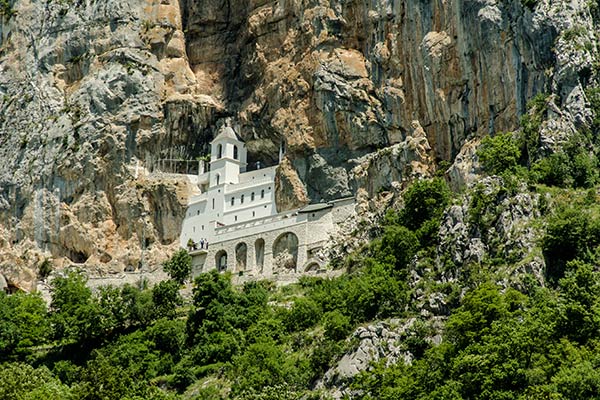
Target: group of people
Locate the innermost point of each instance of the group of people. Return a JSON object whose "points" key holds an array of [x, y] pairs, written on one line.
{"points": [[203, 243]]}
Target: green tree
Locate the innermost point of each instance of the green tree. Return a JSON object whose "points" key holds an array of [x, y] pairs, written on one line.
{"points": [[73, 313], [179, 266], [101, 380], [424, 200], [261, 365], [19, 381], [397, 246], [23, 322], [579, 302], [166, 298], [337, 326], [571, 232], [499, 153], [304, 313]]}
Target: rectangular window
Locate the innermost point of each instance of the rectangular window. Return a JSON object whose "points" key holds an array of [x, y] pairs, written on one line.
{"points": [[252, 196], [242, 199], [213, 204], [232, 201]]}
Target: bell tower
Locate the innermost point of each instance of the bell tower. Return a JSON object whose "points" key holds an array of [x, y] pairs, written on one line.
{"points": [[228, 158]]}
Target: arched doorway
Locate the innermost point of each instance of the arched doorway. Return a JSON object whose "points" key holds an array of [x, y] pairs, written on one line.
{"points": [[313, 268], [241, 256], [259, 250], [285, 252], [221, 260]]}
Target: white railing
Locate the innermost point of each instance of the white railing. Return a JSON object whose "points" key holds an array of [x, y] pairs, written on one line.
{"points": [[286, 219]]}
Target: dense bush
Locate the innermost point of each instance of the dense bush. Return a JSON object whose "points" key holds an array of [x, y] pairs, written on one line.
{"points": [[425, 200], [571, 233], [179, 266], [572, 166], [499, 153]]}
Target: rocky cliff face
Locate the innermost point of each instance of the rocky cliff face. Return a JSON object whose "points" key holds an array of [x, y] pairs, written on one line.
{"points": [[94, 96]]}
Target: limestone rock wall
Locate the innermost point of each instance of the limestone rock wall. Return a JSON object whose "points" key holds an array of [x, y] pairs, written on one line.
{"points": [[93, 92]]}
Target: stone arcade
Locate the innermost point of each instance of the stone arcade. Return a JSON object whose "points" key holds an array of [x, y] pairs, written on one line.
{"points": [[235, 213]]}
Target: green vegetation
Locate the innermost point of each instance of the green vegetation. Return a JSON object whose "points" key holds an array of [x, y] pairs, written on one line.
{"points": [[499, 153], [179, 267], [257, 341], [574, 164], [6, 9]]}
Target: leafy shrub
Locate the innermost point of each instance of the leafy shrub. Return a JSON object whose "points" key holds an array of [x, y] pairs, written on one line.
{"points": [[424, 200], [337, 325], [44, 269], [304, 313], [570, 233], [166, 298], [573, 166], [499, 153], [397, 247], [579, 294], [23, 323], [23, 382], [179, 266]]}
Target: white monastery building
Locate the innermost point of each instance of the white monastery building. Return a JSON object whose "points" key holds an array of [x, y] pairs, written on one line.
{"points": [[234, 225]]}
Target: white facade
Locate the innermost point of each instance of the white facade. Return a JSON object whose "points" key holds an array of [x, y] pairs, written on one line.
{"points": [[236, 214], [229, 194]]}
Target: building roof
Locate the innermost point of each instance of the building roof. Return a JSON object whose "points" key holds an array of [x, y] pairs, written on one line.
{"points": [[226, 132], [315, 207]]}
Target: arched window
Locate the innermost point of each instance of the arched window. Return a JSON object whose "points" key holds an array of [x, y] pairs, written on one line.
{"points": [[252, 196], [241, 256], [235, 152], [285, 252], [259, 247], [219, 151], [218, 179], [262, 194], [232, 201], [221, 260], [242, 199]]}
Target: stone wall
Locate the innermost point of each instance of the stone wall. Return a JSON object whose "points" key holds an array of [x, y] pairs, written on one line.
{"points": [[311, 229]]}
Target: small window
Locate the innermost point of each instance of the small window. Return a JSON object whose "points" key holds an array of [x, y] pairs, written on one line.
{"points": [[235, 218], [253, 213], [194, 229], [218, 179], [242, 199], [213, 204], [232, 201], [198, 212], [262, 194], [202, 227], [219, 151], [235, 152], [252, 196]]}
